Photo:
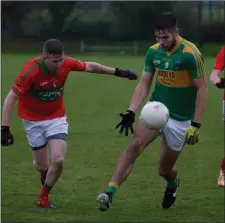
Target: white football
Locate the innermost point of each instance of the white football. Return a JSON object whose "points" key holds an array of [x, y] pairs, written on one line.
{"points": [[155, 114]]}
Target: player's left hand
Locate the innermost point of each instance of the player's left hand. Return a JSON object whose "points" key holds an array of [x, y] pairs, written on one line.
{"points": [[126, 74], [221, 84], [192, 134]]}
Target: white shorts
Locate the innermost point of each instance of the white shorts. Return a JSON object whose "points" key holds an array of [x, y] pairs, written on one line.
{"points": [[174, 132], [40, 132]]}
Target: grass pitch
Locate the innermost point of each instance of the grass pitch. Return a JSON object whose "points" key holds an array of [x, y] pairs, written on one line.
{"points": [[93, 104]]}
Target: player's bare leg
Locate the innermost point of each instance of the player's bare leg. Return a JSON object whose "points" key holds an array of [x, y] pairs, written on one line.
{"points": [[221, 174], [57, 148], [41, 162], [43, 173], [142, 137], [168, 171]]}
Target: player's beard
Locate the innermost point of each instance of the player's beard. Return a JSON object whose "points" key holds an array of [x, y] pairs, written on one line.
{"points": [[172, 45]]}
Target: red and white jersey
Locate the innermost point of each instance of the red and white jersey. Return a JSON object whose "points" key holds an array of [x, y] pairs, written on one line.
{"points": [[220, 62]]}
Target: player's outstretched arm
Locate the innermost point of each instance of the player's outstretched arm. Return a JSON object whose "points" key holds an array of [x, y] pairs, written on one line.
{"points": [[93, 67], [6, 136]]}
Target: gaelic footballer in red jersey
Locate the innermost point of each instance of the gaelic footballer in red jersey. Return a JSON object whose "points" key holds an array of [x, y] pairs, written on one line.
{"points": [[39, 90], [220, 83]]}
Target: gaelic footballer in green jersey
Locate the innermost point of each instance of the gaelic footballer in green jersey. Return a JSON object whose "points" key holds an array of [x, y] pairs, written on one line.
{"points": [[178, 68]]}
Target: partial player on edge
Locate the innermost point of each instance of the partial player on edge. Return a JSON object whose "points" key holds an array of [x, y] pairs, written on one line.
{"points": [[220, 83]]}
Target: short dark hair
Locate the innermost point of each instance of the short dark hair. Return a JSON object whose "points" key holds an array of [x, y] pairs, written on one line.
{"points": [[165, 21], [53, 46]]}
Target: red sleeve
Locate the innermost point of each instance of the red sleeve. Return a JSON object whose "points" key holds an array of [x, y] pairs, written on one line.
{"points": [[75, 65], [25, 78], [220, 60]]}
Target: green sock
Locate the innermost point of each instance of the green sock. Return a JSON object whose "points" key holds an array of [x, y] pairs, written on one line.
{"points": [[112, 190], [172, 184], [47, 187], [112, 187]]}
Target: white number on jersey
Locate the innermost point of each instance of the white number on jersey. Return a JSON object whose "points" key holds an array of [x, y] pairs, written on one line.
{"points": [[166, 65]]}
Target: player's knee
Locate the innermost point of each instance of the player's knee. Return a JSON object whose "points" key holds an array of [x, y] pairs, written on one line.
{"points": [[40, 166], [59, 162], [136, 146]]}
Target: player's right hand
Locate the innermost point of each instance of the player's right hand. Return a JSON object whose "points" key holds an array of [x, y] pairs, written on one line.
{"points": [[128, 118], [221, 84], [6, 136]]}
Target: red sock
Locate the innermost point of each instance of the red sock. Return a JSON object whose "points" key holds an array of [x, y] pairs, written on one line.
{"points": [[223, 164], [45, 190]]}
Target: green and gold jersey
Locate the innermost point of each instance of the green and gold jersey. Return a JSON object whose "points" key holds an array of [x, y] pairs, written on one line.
{"points": [[175, 72]]}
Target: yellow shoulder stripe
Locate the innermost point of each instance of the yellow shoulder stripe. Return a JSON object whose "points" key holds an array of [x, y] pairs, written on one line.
{"points": [[191, 48], [155, 46]]}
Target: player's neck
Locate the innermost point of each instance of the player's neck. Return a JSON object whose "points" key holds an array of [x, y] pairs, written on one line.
{"points": [[175, 45]]}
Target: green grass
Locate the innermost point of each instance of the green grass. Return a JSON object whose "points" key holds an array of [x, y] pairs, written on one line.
{"points": [[93, 104]]}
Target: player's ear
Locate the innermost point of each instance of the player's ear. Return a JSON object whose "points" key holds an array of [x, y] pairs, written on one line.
{"points": [[177, 31]]}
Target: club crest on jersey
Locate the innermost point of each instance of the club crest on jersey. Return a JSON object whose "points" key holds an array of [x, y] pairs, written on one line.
{"points": [[22, 79], [177, 64], [21, 82]]}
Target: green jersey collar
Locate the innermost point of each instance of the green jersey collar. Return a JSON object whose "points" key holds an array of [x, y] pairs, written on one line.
{"points": [[43, 66]]}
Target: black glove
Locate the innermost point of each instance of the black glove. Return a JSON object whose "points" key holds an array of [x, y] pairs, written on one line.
{"points": [[221, 84], [6, 136], [125, 74], [128, 119]]}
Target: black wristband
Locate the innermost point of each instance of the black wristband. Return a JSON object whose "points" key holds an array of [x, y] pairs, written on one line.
{"points": [[116, 71], [195, 124], [130, 111], [221, 84]]}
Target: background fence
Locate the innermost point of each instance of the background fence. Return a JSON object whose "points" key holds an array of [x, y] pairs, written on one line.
{"points": [[107, 26]]}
